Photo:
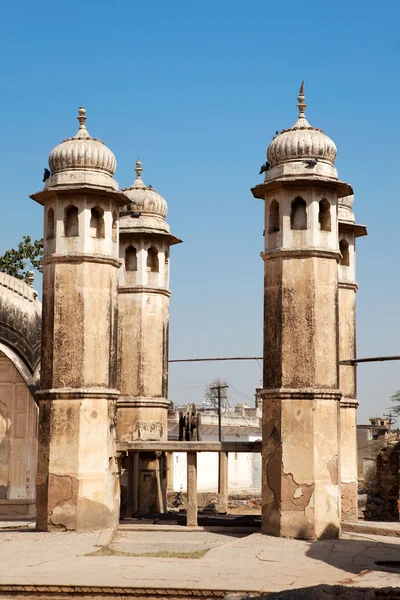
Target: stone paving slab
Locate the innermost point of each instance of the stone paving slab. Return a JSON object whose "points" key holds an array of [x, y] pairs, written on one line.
{"points": [[390, 529], [254, 563], [141, 542]]}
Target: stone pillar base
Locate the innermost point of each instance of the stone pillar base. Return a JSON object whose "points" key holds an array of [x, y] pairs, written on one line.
{"points": [[77, 480], [300, 491], [348, 460]]}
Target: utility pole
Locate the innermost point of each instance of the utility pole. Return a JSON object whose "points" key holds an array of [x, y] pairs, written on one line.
{"points": [[219, 388]]}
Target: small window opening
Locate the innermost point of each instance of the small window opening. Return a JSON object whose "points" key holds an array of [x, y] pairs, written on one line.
{"points": [[50, 224], [166, 265], [324, 215], [71, 222], [114, 227], [344, 251], [130, 259], [152, 260], [273, 217], [298, 214], [97, 222]]}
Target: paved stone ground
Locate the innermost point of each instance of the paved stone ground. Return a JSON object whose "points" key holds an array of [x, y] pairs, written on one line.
{"points": [[235, 562], [391, 528]]}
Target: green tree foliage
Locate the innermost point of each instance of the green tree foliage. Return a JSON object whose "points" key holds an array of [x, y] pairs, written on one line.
{"points": [[395, 410], [25, 258]]}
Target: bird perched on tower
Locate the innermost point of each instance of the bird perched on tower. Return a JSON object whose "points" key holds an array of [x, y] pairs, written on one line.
{"points": [[310, 162], [46, 174], [265, 167]]}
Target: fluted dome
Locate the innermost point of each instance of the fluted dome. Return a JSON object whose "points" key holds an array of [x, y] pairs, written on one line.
{"points": [[302, 141], [82, 153], [143, 199]]}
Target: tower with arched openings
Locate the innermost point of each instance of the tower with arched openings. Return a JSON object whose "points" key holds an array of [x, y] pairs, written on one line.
{"points": [[77, 476], [143, 331], [301, 392]]}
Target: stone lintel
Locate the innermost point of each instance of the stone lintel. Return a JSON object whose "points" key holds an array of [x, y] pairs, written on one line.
{"points": [[348, 403], [263, 189], [301, 394], [78, 394], [80, 257], [49, 194], [143, 289], [300, 253], [358, 230], [348, 285], [131, 402]]}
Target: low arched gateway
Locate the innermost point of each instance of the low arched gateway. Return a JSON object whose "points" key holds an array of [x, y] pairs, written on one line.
{"points": [[20, 336]]}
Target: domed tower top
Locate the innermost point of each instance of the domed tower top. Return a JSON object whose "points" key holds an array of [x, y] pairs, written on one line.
{"points": [[301, 149], [82, 160], [145, 210], [143, 198]]}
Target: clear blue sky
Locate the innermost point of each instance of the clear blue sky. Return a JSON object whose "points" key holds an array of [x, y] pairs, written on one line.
{"points": [[197, 89]]}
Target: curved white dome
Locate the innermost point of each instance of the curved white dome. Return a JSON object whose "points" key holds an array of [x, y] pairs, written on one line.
{"points": [[144, 199], [302, 141], [82, 153]]}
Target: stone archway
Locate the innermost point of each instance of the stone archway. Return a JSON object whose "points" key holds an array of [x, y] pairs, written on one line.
{"points": [[18, 443]]}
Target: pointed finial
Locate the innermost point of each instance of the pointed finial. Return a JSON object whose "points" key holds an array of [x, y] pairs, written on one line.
{"points": [[138, 168], [301, 101], [82, 117]]}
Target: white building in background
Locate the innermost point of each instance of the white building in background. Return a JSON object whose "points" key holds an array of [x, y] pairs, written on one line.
{"points": [[241, 424]]}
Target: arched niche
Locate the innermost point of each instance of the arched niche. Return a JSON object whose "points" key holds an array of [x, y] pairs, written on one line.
{"points": [[344, 251], [298, 214], [324, 215], [71, 221], [97, 228], [274, 218], [50, 224]]}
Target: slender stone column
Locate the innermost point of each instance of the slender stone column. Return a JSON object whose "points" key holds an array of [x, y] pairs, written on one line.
{"points": [[348, 232], [142, 409], [191, 491], [223, 482], [300, 450], [77, 479], [301, 396]]}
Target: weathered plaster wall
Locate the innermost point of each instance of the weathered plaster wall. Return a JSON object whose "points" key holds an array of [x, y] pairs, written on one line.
{"points": [[77, 474], [18, 443], [348, 463], [348, 382], [143, 343], [347, 340], [79, 309], [301, 397], [300, 311]]}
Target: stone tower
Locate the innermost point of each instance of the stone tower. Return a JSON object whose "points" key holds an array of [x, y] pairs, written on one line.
{"points": [[348, 232], [300, 492], [144, 246], [77, 479]]}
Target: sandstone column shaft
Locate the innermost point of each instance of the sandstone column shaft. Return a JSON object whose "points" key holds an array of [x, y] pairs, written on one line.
{"points": [[300, 408], [223, 482], [191, 510], [348, 232]]}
